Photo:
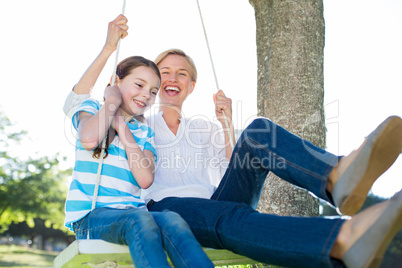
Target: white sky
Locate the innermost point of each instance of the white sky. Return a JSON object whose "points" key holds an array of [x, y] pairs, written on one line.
{"points": [[47, 45]]}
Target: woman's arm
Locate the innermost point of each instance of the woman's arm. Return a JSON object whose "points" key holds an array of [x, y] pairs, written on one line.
{"points": [[141, 163], [224, 104], [116, 29]]}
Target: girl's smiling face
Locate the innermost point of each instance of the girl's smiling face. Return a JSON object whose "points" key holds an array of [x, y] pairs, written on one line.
{"points": [[138, 90], [176, 82]]}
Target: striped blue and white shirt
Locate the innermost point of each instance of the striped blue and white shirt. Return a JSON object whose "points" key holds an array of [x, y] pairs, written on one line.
{"points": [[117, 188]]}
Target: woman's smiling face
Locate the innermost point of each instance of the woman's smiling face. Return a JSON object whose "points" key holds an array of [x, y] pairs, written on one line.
{"points": [[176, 82]]}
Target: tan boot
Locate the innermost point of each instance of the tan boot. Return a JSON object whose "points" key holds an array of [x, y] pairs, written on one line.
{"points": [[369, 249], [359, 170]]}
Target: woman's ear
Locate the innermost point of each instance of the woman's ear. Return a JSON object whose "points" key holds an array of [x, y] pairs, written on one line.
{"points": [[192, 87]]}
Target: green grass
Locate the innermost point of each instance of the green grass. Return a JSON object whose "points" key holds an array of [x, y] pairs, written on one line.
{"points": [[16, 256], [22, 257]]}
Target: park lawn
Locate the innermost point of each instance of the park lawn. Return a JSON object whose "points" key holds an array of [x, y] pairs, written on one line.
{"points": [[22, 257], [16, 256]]}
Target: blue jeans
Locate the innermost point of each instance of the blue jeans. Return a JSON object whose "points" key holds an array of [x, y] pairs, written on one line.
{"points": [[229, 219], [147, 235]]}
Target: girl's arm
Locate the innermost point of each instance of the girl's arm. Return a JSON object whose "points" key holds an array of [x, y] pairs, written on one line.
{"points": [[141, 163], [92, 129], [116, 29], [222, 103]]}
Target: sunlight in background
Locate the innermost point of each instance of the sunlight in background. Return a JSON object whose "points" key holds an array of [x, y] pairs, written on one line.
{"points": [[47, 45]]}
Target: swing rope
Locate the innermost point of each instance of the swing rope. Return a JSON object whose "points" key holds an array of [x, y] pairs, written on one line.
{"points": [[213, 69], [98, 175], [118, 48]]}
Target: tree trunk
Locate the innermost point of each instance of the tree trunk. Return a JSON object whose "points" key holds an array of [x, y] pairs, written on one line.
{"points": [[290, 50]]}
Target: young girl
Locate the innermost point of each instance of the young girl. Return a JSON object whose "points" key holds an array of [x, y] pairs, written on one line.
{"points": [[120, 215]]}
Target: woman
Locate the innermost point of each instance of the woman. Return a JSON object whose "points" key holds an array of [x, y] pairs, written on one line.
{"points": [[220, 210]]}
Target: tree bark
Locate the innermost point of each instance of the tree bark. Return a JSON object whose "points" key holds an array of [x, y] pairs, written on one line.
{"points": [[290, 51]]}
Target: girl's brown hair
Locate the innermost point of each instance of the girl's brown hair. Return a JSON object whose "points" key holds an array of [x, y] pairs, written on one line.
{"points": [[124, 68]]}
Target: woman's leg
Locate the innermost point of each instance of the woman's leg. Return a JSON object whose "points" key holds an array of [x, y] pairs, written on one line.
{"points": [[285, 241], [179, 242], [133, 227], [264, 147], [359, 241]]}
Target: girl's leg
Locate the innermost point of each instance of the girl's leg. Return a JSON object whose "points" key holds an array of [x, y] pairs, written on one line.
{"points": [[264, 147], [179, 242], [133, 227]]}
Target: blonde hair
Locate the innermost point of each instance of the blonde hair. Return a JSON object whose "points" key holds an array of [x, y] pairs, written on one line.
{"points": [[175, 51]]}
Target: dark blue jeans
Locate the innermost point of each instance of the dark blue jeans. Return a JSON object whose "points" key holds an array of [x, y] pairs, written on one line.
{"points": [[147, 235], [229, 220]]}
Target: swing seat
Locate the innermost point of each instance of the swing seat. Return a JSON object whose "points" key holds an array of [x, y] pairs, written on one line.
{"points": [[99, 253]]}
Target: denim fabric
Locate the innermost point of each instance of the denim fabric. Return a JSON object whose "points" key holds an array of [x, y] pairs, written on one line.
{"points": [[229, 219], [266, 147], [147, 234]]}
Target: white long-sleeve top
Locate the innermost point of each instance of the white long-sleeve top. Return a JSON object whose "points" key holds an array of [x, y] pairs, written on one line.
{"points": [[190, 163]]}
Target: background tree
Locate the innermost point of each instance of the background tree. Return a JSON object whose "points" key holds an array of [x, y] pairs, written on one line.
{"points": [[22, 229], [290, 48], [29, 189]]}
